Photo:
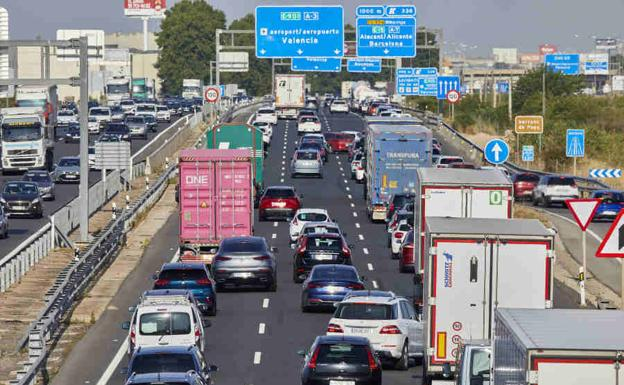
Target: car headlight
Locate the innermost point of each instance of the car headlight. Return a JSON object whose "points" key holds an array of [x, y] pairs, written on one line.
{"points": [[3, 201], [36, 201]]}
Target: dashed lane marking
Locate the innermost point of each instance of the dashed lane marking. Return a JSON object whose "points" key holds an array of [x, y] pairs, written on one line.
{"points": [[273, 236], [375, 285], [349, 196], [365, 250], [275, 224], [348, 189], [261, 328], [355, 214], [361, 237], [257, 358], [357, 225], [265, 303], [370, 266]]}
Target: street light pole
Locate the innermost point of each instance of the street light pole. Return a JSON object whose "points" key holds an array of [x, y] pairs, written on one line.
{"points": [[84, 140]]}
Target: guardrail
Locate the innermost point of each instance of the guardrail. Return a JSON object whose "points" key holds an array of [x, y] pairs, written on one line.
{"points": [[76, 278]]}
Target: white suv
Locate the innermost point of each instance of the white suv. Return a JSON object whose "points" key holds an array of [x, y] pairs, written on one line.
{"points": [[339, 105], [303, 216], [266, 114], [390, 324]]}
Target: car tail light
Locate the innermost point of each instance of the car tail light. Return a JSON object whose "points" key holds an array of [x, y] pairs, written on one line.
{"points": [[391, 208], [312, 362], [204, 281], [355, 286], [132, 336], [221, 259], [161, 282], [334, 328], [346, 251], [398, 235], [313, 285], [372, 364], [262, 258], [302, 247], [390, 329], [197, 333]]}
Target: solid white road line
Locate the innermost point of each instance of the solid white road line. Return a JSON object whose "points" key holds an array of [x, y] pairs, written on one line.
{"points": [[281, 180], [265, 303], [349, 196], [370, 266], [375, 284], [257, 358], [108, 373], [261, 328], [365, 250], [361, 237]]}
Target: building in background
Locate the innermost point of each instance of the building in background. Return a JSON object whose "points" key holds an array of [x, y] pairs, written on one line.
{"points": [[5, 91], [507, 56]]}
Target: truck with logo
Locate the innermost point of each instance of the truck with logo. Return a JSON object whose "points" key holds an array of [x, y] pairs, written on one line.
{"points": [[215, 200], [117, 89], [394, 153], [472, 267], [192, 88], [289, 95]]}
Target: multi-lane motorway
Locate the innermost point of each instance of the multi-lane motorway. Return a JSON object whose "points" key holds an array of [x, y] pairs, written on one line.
{"points": [[22, 228], [255, 335]]}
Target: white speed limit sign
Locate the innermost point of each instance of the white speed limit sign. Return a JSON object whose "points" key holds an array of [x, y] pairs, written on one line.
{"points": [[453, 96], [211, 95]]}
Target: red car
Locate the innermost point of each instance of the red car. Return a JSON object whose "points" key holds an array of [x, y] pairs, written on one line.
{"points": [[523, 185], [339, 141], [279, 202], [406, 259]]}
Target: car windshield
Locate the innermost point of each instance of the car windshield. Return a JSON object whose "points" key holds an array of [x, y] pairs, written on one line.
{"points": [[182, 274], [37, 178], [527, 178], [163, 362], [312, 145], [158, 324], [126, 103], [20, 188], [242, 246], [451, 160], [135, 119], [365, 311], [69, 162], [65, 113], [308, 119], [279, 193], [163, 108], [610, 196], [331, 273], [323, 243], [561, 181], [320, 230], [145, 108], [342, 354], [306, 155], [312, 217]]}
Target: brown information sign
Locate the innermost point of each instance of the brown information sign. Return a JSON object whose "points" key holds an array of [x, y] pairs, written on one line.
{"points": [[529, 124]]}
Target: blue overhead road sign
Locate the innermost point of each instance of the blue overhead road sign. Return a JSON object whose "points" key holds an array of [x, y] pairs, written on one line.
{"points": [[446, 84], [496, 151], [568, 64], [386, 31], [284, 32], [320, 64], [364, 65], [575, 143], [417, 81]]}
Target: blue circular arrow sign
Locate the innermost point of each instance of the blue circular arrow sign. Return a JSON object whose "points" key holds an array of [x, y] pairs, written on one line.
{"points": [[496, 151]]}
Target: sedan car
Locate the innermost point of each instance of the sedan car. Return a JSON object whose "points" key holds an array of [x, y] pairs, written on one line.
{"points": [[22, 198], [67, 170], [194, 277], [306, 162], [308, 124], [327, 285], [169, 359], [279, 202], [319, 249], [72, 133], [138, 126], [304, 216], [245, 262], [43, 180], [340, 360], [611, 203]]}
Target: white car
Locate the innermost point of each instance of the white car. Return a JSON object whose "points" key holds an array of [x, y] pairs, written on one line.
{"points": [[303, 216], [148, 109], [101, 114], [163, 114], [390, 324], [398, 235], [339, 105], [355, 163], [128, 106], [266, 114], [445, 160], [308, 124], [93, 125], [65, 117]]}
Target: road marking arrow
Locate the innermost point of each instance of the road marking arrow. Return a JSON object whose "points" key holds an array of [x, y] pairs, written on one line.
{"points": [[386, 51]]}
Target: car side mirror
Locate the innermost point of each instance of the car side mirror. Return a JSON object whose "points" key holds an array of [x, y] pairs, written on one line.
{"points": [[364, 278], [345, 234], [302, 353], [213, 368], [207, 323], [351, 246], [125, 325], [131, 309]]}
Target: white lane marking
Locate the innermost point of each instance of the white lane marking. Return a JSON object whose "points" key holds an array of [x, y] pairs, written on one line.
{"points": [[361, 237], [283, 156], [282, 180], [375, 284], [341, 169], [365, 250], [273, 236], [349, 196], [357, 225], [345, 180], [282, 174], [283, 162], [352, 204], [265, 303], [370, 266], [274, 224], [283, 168], [354, 214], [257, 358], [261, 328], [108, 373], [348, 189]]}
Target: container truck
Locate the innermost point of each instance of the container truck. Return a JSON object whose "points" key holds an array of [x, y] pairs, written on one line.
{"points": [[473, 266], [394, 152], [289, 95], [117, 89], [240, 136], [141, 89], [558, 347], [192, 88], [215, 200]]}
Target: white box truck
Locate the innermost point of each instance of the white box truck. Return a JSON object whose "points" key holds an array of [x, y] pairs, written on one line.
{"points": [[289, 95], [192, 88], [558, 346], [474, 266]]}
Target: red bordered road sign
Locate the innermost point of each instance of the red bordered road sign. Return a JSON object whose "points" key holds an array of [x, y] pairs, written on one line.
{"points": [[612, 245], [211, 95], [453, 96], [583, 210]]}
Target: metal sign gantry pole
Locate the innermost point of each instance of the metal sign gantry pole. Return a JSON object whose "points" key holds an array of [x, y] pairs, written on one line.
{"points": [[230, 46]]}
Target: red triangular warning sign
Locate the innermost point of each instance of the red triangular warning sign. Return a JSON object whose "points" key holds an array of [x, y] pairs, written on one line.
{"points": [[583, 210], [612, 245]]}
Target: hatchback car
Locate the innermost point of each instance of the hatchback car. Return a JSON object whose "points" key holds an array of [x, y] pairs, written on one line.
{"points": [[266, 114], [339, 105], [397, 237], [338, 141], [167, 378], [67, 170], [308, 124], [314, 146], [72, 132], [304, 216], [340, 360], [306, 162], [138, 126], [611, 203], [194, 277], [554, 189], [279, 202], [22, 198], [169, 359], [523, 185], [245, 262], [44, 182], [319, 249], [327, 285]]}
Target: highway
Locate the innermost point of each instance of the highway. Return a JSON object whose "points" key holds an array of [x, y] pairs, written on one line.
{"points": [[255, 335], [21, 228]]}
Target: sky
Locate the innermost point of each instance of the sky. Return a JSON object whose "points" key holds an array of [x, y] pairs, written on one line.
{"points": [[471, 26]]}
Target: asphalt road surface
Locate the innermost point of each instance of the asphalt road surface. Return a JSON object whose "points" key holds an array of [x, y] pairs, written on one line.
{"points": [[255, 335]]}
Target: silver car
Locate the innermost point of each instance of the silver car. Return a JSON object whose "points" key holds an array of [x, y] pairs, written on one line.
{"points": [[67, 170], [306, 162], [138, 126], [245, 262]]}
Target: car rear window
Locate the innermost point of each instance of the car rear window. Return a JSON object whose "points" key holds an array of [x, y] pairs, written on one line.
{"points": [[365, 311], [610, 196], [69, 162], [451, 160], [330, 273], [163, 362], [350, 137], [266, 111], [246, 246], [342, 354], [308, 119], [561, 181], [279, 193], [527, 178], [306, 155], [322, 243], [159, 324], [312, 217], [183, 274], [135, 119], [320, 230], [409, 238]]}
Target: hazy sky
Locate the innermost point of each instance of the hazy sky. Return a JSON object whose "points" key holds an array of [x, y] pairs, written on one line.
{"points": [[570, 24]]}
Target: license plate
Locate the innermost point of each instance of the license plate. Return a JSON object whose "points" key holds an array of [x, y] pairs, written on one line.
{"points": [[609, 212], [242, 275], [278, 204], [19, 208], [339, 382], [323, 257], [70, 176], [360, 330]]}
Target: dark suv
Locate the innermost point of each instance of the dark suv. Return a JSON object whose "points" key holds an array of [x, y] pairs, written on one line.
{"points": [[397, 201], [22, 198], [169, 359], [318, 249], [194, 277]]}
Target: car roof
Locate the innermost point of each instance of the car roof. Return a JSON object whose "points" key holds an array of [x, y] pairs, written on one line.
{"points": [[333, 266], [183, 266], [280, 188], [150, 378], [371, 293], [311, 210], [70, 157], [173, 349], [244, 239], [334, 339], [371, 299], [321, 224], [322, 235]]}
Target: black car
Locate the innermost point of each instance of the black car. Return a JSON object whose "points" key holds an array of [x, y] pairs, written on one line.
{"points": [[397, 201], [22, 198], [72, 133], [44, 181], [343, 359], [152, 123], [317, 249], [120, 130], [169, 359]]}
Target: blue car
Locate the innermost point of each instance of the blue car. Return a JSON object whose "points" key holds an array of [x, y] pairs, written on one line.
{"points": [[328, 284], [168, 359], [188, 378], [194, 277], [612, 203]]}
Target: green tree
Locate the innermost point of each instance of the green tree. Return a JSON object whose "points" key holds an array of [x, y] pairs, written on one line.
{"points": [[187, 43], [527, 92]]}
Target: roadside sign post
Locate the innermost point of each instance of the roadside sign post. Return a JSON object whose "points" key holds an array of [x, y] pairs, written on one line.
{"points": [[575, 145], [612, 246], [528, 154], [527, 124], [453, 97], [583, 210]]}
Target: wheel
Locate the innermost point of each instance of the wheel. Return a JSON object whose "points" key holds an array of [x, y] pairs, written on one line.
{"points": [[296, 278], [403, 362], [273, 286], [213, 311]]}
